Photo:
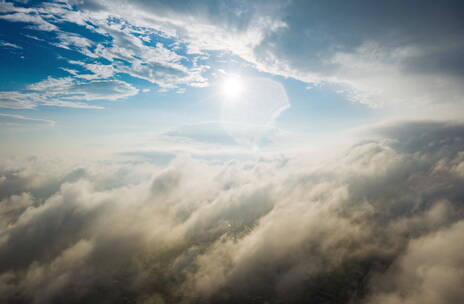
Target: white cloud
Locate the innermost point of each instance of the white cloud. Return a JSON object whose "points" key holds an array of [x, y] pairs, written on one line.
{"points": [[281, 229], [430, 271], [71, 89], [38, 22], [376, 63], [12, 119], [371, 72], [143, 58], [18, 100], [67, 92], [154, 63], [10, 45], [411, 66], [71, 40], [99, 71]]}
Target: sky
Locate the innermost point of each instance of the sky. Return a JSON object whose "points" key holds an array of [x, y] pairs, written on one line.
{"points": [[231, 151], [83, 74]]}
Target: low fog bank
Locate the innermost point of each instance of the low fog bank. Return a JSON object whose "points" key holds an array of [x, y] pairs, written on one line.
{"points": [[380, 223]]}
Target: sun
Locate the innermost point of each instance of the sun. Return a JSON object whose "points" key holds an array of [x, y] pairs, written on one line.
{"points": [[232, 86]]}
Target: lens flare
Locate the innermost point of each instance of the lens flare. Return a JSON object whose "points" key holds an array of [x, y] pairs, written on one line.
{"points": [[232, 87]]}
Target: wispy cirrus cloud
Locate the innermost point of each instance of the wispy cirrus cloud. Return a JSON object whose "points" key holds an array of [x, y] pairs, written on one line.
{"points": [[10, 45], [14, 120], [66, 92]]}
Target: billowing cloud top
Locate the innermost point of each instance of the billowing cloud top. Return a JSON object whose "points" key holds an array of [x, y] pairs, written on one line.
{"points": [[380, 223]]}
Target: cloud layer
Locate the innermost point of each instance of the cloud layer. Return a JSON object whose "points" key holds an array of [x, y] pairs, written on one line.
{"points": [[101, 53], [379, 223], [401, 53]]}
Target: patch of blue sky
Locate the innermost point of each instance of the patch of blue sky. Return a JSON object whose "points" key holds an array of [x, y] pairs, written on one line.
{"points": [[36, 58], [319, 108]]}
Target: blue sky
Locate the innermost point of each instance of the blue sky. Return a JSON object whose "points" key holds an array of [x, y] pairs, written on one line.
{"points": [[83, 76], [84, 72]]}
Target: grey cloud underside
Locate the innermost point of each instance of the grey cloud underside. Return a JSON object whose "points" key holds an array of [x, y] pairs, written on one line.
{"points": [[378, 224], [332, 27], [384, 52]]}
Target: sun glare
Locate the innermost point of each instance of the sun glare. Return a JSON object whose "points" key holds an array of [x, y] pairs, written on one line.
{"points": [[232, 86]]}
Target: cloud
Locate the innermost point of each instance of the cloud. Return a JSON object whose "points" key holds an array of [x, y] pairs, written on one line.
{"points": [[428, 272], [380, 222], [38, 22], [10, 45], [146, 59], [221, 26], [146, 53], [411, 65], [71, 41], [376, 61], [222, 134], [69, 89], [208, 132], [12, 119], [66, 92]]}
